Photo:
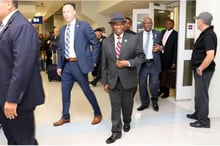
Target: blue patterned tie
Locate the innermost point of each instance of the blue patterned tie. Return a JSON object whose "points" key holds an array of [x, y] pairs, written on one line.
{"points": [[67, 42]]}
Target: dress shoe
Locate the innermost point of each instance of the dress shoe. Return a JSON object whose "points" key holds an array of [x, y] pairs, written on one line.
{"points": [[142, 107], [155, 106], [192, 116], [165, 95], [160, 93], [126, 127], [197, 124], [93, 83], [96, 119], [113, 138], [61, 122]]}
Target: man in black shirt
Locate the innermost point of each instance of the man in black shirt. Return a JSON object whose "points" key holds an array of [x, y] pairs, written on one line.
{"points": [[203, 66]]}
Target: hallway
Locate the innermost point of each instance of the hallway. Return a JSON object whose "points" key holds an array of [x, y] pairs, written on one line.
{"points": [[169, 126]]}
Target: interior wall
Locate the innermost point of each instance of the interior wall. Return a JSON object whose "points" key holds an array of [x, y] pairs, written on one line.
{"points": [[58, 21], [99, 20]]}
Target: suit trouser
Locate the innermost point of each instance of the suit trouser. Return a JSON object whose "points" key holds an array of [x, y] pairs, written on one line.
{"points": [[122, 100], [72, 73], [202, 96], [148, 69], [21, 130]]}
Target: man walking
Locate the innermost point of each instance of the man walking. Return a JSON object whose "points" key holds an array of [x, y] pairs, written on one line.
{"points": [[76, 60]]}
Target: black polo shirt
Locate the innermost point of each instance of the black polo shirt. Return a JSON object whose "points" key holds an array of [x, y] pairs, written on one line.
{"points": [[206, 41]]}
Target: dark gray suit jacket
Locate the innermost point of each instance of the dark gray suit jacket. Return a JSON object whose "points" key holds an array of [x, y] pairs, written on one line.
{"points": [[129, 51], [20, 79], [157, 40]]}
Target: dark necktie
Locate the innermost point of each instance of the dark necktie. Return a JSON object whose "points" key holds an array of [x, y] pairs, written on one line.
{"points": [[67, 42], [118, 47]]}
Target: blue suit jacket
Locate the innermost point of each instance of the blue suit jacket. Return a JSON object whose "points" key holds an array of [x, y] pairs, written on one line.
{"points": [[84, 38], [157, 40], [20, 79]]}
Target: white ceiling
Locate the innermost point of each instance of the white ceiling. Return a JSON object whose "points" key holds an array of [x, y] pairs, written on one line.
{"points": [[31, 8]]}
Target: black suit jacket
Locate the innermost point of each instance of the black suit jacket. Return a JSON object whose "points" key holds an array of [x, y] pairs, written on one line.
{"points": [[20, 79], [169, 55]]}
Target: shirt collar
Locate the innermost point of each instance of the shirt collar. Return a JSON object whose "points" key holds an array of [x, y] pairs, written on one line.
{"points": [[116, 36], [72, 23], [148, 31]]}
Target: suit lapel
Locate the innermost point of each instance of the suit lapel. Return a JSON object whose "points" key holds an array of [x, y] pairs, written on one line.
{"points": [[123, 44], [112, 45], [8, 23], [170, 36], [141, 40], [76, 31]]}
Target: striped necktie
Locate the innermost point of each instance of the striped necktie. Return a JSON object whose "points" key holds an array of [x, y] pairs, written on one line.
{"points": [[118, 47], [67, 42]]}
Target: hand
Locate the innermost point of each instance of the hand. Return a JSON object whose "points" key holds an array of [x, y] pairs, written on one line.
{"points": [[10, 110], [173, 66], [106, 89], [156, 48], [122, 63], [199, 72], [59, 71]]}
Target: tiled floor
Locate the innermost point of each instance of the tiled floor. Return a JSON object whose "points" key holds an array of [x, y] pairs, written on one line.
{"points": [[169, 126]]}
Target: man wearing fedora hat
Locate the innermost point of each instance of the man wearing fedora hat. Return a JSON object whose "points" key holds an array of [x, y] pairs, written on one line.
{"points": [[120, 59], [203, 66]]}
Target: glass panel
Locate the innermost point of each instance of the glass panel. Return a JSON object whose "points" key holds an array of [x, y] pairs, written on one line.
{"points": [[140, 18], [160, 17], [190, 13], [187, 74]]}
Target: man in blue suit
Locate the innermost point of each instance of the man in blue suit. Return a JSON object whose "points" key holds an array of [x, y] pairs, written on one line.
{"points": [[21, 87], [150, 41], [76, 60]]}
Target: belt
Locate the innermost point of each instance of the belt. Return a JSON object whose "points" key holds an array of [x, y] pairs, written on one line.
{"points": [[71, 59], [149, 60]]}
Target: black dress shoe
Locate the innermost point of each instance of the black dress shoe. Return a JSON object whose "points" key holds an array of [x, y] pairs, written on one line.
{"points": [[113, 138], [126, 127], [160, 93], [155, 106], [142, 107], [165, 95], [192, 116], [93, 83], [197, 124]]}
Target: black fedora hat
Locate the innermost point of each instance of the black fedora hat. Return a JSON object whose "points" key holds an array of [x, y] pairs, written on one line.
{"points": [[117, 17]]}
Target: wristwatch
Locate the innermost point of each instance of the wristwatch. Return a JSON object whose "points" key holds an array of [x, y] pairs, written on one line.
{"points": [[129, 64], [198, 70]]}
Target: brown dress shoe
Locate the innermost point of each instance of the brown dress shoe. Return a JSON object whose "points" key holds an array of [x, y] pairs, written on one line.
{"points": [[61, 122], [97, 119]]}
